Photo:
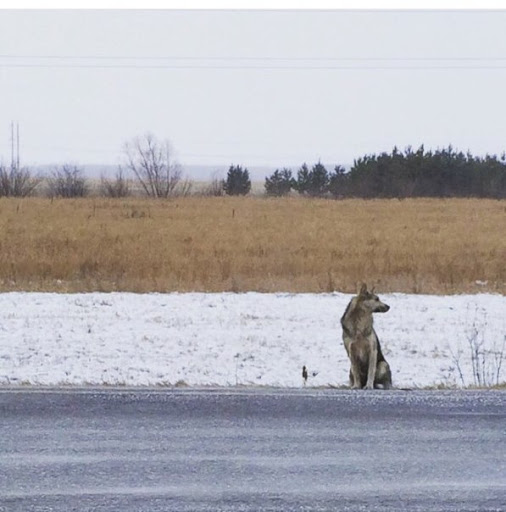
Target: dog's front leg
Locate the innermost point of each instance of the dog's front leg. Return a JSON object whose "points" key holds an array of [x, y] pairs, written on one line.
{"points": [[354, 377], [355, 380], [371, 370]]}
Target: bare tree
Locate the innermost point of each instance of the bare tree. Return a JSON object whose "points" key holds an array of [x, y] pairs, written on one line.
{"points": [[17, 181], [117, 187], [152, 163], [184, 188], [216, 187], [67, 181]]}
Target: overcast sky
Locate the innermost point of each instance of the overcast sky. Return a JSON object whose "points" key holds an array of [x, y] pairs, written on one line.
{"points": [[275, 88]]}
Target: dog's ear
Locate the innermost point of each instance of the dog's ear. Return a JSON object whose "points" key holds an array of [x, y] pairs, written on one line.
{"points": [[373, 289], [363, 289]]}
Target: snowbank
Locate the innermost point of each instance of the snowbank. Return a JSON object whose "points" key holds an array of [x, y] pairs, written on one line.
{"points": [[230, 339]]}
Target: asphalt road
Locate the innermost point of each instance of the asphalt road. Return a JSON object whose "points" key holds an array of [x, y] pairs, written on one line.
{"points": [[252, 450]]}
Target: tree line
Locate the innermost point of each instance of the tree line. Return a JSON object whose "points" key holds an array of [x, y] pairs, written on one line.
{"points": [[399, 174]]}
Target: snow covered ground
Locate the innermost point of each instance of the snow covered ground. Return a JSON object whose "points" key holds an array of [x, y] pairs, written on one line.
{"points": [[230, 339]]}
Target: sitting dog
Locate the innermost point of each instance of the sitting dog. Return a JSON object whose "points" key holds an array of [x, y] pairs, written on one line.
{"points": [[369, 368]]}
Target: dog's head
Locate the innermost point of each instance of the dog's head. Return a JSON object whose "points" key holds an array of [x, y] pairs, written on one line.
{"points": [[370, 301]]}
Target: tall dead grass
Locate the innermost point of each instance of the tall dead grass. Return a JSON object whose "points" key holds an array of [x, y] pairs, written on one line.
{"points": [[240, 244]]}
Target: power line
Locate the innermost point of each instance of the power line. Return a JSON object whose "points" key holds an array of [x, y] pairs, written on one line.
{"points": [[249, 58], [253, 63], [244, 67]]}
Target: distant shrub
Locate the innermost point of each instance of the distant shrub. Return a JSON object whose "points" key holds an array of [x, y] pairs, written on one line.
{"points": [[67, 181], [17, 182], [216, 188], [117, 187]]}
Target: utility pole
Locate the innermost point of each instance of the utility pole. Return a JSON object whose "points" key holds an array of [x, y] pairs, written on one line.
{"points": [[17, 136], [12, 144], [14, 154]]}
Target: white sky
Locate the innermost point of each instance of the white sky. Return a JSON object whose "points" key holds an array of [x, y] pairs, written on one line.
{"points": [[275, 88]]}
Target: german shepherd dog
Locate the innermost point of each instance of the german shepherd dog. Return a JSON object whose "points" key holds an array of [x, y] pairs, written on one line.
{"points": [[369, 368]]}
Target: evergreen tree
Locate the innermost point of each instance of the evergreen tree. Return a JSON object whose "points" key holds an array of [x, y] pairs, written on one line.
{"points": [[314, 182], [319, 181], [338, 182], [441, 173], [238, 182], [301, 184], [279, 183]]}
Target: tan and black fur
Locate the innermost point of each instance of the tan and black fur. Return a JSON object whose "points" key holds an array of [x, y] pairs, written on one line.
{"points": [[369, 368]]}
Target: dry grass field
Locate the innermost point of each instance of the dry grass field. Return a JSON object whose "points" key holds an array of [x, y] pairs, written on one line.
{"points": [[241, 244]]}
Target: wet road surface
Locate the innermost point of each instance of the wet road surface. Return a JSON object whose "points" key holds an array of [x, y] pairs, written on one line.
{"points": [[251, 450]]}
